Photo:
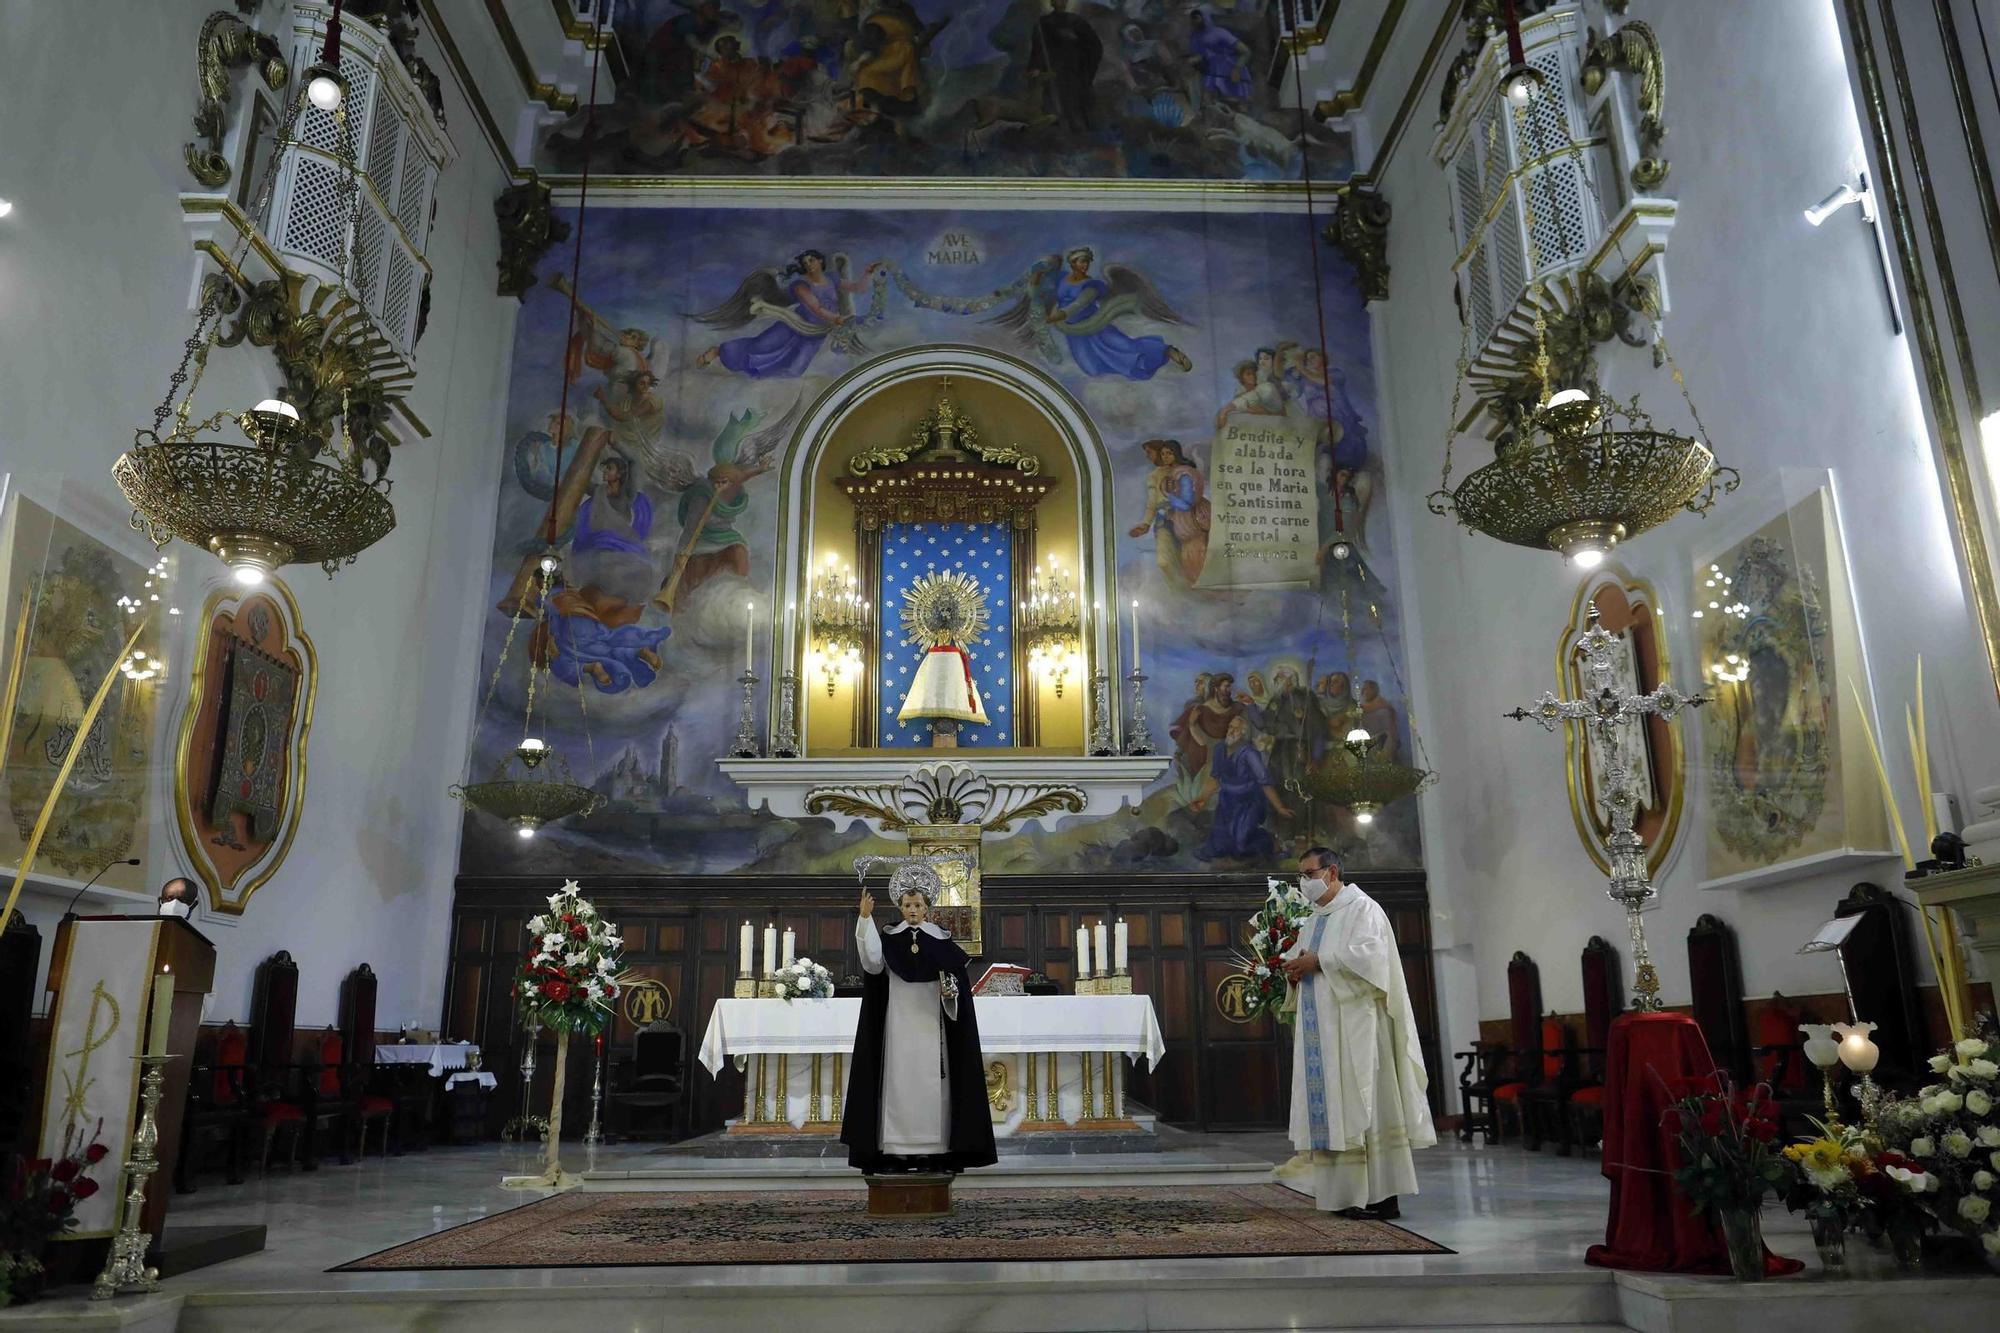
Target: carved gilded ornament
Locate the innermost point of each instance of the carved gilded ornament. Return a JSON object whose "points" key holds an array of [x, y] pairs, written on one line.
{"points": [[945, 475], [528, 227], [1634, 50], [240, 762], [226, 43], [1360, 231], [334, 361]]}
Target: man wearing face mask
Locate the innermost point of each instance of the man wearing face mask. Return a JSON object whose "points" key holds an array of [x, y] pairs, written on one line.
{"points": [[1358, 1079]]}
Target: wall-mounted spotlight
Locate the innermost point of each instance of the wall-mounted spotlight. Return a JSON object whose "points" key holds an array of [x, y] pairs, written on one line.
{"points": [[1860, 192]]}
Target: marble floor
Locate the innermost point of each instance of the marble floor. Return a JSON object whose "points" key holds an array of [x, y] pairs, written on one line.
{"points": [[1518, 1221]]}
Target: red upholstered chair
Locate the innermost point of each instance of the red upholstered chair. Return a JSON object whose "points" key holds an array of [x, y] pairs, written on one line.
{"points": [[218, 1108], [276, 1098], [1489, 1071], [1715, 979], [357, 1030], [1538, 1106], [1603, 998], [329, 1108], [1780, 1063]]}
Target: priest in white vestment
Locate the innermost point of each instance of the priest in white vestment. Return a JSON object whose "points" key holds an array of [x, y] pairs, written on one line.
{"points": [[1358, 1079]]}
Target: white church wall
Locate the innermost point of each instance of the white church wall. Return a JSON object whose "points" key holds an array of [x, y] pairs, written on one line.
{"points": [[1784, 334], [96, 272]]}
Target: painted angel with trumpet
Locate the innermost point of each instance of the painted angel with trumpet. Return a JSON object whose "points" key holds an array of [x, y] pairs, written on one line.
{"points": [[1062, 298]]}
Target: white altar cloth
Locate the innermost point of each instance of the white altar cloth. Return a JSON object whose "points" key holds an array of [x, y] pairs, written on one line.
{"points": [[1059, 1053], [442, 1056], [1008, 1024]]}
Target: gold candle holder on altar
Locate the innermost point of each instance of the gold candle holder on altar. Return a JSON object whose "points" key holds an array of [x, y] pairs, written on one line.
{"points": [[767, 988], [745, 989], [1089, 985], [1118, 983]]}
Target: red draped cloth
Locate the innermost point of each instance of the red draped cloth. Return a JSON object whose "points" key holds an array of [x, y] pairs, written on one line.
{"points": [[1651, 1228]]}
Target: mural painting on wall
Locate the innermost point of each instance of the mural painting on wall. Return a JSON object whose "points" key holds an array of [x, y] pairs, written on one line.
{"points": [[1238, 454], [1071, 88], [77, 589], [1778, 640]]}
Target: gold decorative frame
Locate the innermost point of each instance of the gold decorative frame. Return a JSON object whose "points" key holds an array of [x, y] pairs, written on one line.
{"points": [[1663, 842], [237, 898]]}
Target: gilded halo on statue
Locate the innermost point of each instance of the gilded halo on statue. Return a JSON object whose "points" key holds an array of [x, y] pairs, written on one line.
{"points": [[944, 611]]}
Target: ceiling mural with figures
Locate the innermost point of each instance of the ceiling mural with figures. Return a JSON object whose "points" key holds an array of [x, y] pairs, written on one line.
{"points": [[1189, 338], [1097, 89]]}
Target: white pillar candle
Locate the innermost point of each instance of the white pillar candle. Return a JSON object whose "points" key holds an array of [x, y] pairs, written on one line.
{"points": [[1120, 942], [163, 1013], [770, 950], [1082, 952], [1135, 634], [1102, 952], [744, 944], [790, 944], [749, 630]]}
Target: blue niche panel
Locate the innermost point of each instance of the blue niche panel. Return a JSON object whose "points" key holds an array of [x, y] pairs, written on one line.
{"points": [[986, 552]]}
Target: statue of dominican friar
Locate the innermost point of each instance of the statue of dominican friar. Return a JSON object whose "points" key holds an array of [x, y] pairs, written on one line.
{"points": [[916, 1092], [945, 614]]}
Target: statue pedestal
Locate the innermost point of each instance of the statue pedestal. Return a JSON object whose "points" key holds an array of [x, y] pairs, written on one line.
{"points": [[912, 1194]]}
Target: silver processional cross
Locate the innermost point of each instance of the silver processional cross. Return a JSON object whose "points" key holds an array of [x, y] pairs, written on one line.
{"points": [[1602, 713]]}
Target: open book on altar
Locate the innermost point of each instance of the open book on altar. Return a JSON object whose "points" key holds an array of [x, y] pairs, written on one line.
{"points": [[1003, 979]]}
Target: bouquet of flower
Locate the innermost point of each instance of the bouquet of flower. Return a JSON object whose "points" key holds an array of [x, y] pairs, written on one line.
{"points": [[37, 1204], [1729, 1153], [1951, 1132], [569, 975], [1273, 930], [803, 979], [1827, 1172]]}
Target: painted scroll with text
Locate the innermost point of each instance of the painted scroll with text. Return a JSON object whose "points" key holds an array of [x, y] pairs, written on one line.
{"points": [[1264, 518]]}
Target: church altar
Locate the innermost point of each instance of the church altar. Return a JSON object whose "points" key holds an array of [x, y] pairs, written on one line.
{"points": [[1051, 1060]]}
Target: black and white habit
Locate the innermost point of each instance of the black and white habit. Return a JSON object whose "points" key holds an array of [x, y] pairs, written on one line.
{"points": [[916, 1090]]}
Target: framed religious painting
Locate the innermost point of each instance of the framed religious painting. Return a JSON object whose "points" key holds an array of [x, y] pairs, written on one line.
{"points": [[68, 602], [240, 764], [1788, 789], [1629, 609]]}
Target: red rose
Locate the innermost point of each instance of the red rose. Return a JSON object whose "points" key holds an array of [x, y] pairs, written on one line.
{"points": [[1712, 1121], [95, 1153], [579, 930], [1761, 1130], [65, 1170], [557, 991], [84, 1188]]}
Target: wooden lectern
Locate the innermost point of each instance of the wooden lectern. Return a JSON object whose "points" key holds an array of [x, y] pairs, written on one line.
{"points": [[100, 966]]}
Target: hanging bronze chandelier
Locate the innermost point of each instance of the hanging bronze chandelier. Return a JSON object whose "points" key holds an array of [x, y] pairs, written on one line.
{"points": [[532, 785], [271, 501], [1574, 470], [1581, 473]]}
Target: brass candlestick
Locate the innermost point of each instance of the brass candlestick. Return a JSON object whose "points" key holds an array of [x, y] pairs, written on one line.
{"points": [[125, 1268]]}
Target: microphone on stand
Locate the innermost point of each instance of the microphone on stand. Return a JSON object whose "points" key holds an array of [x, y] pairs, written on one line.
{"points": [[69, 913]]}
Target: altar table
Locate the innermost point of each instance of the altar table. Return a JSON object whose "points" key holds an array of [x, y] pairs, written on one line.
{"points": [[1051, 1060], [442, 1056]]}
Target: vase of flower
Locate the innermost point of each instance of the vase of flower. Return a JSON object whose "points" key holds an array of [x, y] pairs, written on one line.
{"points": [[1906, 1246], [1743, 1237], [1829, 1233]]}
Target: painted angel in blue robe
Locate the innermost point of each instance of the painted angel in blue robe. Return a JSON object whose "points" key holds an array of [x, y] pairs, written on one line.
{"points": [[1063, 298], [807, 308]]}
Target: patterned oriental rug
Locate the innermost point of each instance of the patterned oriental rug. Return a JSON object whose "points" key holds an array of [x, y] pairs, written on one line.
{"points": [[580, 1230]]}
